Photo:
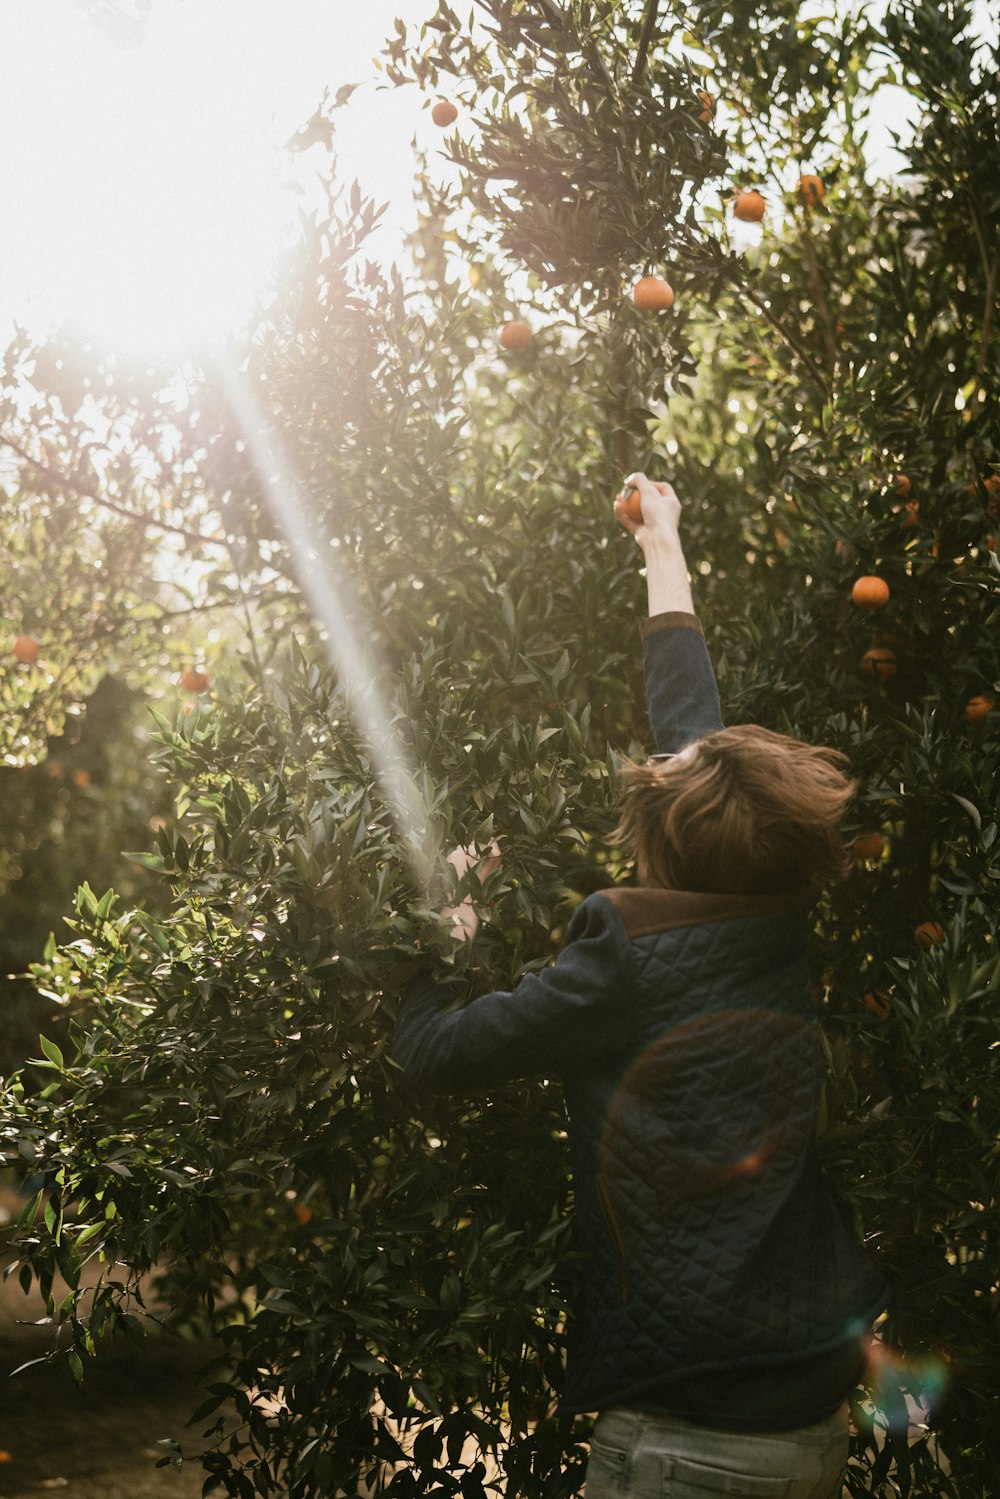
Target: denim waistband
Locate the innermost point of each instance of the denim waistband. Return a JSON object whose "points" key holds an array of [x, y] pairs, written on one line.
{"points": [[627, 1419]]}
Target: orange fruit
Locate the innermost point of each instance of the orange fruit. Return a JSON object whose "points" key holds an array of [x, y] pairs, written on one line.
{"points": [[811, 190], [910, 511], [991, 484], [929, 934], [303, 1212], [870, 592], [877, 1005], [749, 206], [5, 1456], [979, 706], [26, 649], [633, 505], [444, 113], [879, 662], [80, 779], [869, 846], [707, 102], [516, 335], [193, 680], [901, 484], [653, 294]]}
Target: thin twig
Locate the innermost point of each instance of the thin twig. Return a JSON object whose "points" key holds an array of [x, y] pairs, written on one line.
{"points": [[818, 292], [263, 596], [82, 489], [812, 369], [559, 20], [990, 271], [648, 27]]}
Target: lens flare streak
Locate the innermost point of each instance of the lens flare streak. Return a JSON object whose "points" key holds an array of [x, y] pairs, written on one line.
{"points": [[333, 600]]}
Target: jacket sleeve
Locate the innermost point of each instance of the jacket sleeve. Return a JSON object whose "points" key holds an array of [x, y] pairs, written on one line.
{"points": [[551, 1023], [682, 696]]}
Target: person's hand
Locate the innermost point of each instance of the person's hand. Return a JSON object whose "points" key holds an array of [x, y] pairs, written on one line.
{"points": [[661, 511], [465, 922]]}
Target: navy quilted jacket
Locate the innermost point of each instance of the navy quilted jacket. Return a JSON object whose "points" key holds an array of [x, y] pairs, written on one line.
{"points": [[684, 1027]]}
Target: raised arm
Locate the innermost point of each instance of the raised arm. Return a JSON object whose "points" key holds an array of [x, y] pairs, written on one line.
{"points": [[681, 692], [554, 1021]]}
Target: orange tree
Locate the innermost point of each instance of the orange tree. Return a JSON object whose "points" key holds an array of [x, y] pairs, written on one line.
{"points": [[391, 1290], [113, 571]]}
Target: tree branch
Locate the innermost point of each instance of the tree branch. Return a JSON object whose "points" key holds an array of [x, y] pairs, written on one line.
{"points": [[646, 36], [811, 368], [68, 482], [990, 272], [818, 291], [262, 596]]}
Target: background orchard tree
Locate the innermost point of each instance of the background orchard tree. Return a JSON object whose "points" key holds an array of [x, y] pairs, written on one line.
{"points": [[391, 1288]]}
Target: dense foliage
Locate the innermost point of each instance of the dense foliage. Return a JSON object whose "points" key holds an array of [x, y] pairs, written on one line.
{"points": [[440, 643]]}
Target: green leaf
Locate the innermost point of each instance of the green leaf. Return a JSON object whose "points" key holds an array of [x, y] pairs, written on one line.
{"points": [[52, 1051], [969, 807]]}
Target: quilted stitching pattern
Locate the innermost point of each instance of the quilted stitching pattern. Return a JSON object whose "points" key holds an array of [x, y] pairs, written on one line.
{"points": [[711, 1236]]}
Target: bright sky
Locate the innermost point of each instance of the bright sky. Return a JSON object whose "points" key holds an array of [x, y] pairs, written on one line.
{"points": [[141, 164], [141, 160]]}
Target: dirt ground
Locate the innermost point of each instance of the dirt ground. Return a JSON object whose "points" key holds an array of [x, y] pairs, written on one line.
{"points": [[98, 1441]]}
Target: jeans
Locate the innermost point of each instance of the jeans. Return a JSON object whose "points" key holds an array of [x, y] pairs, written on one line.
{"points": [[645, 1454]]}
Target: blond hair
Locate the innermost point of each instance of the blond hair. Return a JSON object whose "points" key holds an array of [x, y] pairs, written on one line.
{"points": [[748, 812]]}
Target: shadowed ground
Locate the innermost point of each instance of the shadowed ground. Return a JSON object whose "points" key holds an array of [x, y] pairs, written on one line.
{"points": [[98, 1441]]}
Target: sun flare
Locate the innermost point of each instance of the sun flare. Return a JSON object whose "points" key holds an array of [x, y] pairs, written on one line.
{"points": [[151, 199]]}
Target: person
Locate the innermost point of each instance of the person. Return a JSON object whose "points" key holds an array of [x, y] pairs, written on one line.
{"points": [[726, 1304]]}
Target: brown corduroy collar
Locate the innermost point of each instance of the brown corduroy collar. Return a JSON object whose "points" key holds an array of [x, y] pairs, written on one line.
{"points": [[644, 910]]}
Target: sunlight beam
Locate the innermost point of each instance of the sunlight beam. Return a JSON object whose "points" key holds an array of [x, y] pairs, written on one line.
{"points": [[333, 600]]}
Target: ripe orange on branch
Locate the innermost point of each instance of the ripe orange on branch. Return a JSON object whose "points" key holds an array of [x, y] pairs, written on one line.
{"points": [[870, 592], [444, 113], [516, 335], [653, 294], [902, 485], [811, 190], [707, 102], [749, 206], [977, 708], [880, 662], [991, 484], [193, 680], [929, 934], [26, 649], [869, 846]]}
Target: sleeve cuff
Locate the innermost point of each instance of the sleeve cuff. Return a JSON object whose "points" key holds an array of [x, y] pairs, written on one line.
{"points": [[675, 619]]}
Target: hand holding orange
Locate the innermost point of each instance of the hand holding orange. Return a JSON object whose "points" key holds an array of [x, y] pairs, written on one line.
{"points": [[648, 505]]}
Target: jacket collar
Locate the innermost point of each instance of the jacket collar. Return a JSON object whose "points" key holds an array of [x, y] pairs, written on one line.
{"points": [[644, 910]]}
